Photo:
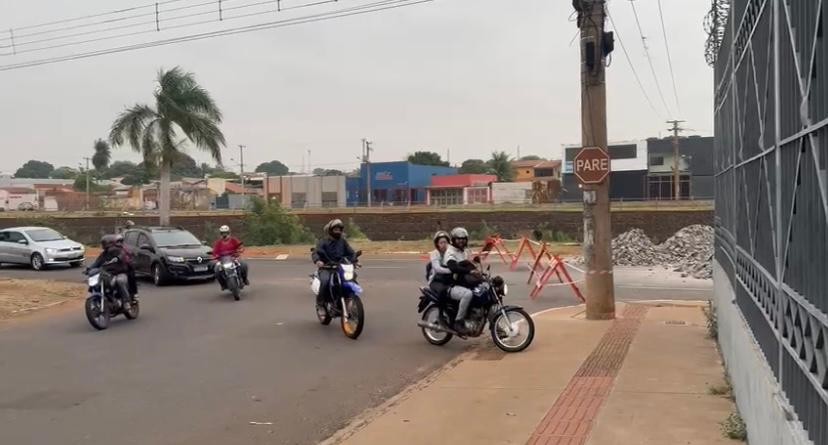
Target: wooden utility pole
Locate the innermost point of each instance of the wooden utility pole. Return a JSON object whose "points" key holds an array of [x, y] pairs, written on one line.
{"points": [[595, 45], [366, 158], [676, 159], [87, 182], [241, 170]]}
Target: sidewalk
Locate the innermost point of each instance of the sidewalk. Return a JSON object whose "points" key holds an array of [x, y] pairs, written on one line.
{"points": [[640, 379]]}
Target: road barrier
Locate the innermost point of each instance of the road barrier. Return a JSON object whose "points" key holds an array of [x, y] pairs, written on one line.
{"points": [[542, 266]]}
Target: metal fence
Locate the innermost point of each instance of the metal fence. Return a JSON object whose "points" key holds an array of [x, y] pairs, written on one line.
{"points": [[771, 120]]}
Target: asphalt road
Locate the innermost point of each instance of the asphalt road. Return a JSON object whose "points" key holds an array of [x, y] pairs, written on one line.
{"points": [[197, 367]]}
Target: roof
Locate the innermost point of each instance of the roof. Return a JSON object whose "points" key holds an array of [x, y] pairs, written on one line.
{"points": [[536, 164], [24, 228], [19, 190], [232, 187]]}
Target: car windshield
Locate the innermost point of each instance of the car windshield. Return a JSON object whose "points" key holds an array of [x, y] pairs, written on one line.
{"points": [[175, 238], [41, 235]]}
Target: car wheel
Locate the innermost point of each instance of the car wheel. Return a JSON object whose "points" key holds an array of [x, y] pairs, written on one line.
{"points": [[37, 262], [159, 275]]}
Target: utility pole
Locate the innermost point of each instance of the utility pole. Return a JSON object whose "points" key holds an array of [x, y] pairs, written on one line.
{"points": [[595, 45], [310, 170], [366, 158], [676, 159], [241, 169], [87, 182]]}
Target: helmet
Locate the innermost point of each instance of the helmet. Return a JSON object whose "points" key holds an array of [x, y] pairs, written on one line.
{"points": [[107, 241], [224, 229], [119, 239], [333, 224], [459, 232], [440, 234], [129, 223]]}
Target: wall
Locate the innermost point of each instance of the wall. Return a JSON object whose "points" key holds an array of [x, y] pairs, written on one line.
{"points": [[384, 225], [311, 186], [512, 192]]}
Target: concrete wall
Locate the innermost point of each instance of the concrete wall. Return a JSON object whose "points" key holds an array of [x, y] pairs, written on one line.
{"points": [[311, 186], [765, 412], [512, 192]]}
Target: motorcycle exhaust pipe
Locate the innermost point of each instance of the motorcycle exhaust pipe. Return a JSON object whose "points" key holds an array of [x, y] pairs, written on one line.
{"points": [[435, 327]]}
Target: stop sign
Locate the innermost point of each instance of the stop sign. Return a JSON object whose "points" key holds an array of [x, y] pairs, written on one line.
{"points": [[592, 165]]}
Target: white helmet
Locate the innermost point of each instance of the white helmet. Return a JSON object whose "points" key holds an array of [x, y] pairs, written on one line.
{"points": [[224, 229]]}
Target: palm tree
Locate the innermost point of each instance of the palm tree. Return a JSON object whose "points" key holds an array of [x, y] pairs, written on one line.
{"points": [[102, 155], [182, 108], [501, 165]]}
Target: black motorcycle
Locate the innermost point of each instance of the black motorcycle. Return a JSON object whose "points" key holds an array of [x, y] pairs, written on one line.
{"points": [[105, 302], [512, 329], [344, 300], [230, 270]]}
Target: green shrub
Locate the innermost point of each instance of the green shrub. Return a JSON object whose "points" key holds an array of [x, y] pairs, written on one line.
{"points": [[734, 427], [354, 231], [269, 224]]}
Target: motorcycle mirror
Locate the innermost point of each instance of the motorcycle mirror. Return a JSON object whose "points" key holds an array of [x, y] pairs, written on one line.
{"points": [[358, 253], [476, 259], [313, 249]]}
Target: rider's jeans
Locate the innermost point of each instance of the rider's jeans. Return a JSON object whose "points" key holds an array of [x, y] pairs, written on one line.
{"points": [[324, 281], [464, 296], [121, 282]]}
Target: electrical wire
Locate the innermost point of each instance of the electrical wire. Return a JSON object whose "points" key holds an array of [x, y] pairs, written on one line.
{"points": [[669, 57], [330, 15], [632, 67], [649, 58]]}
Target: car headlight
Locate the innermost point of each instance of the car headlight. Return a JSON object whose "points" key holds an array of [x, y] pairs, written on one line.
{"points": [[51, 251], [175, 259]]}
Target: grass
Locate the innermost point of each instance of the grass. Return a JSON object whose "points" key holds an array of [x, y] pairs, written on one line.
{"points": [[723, 390], [18, 297], [734, 427]]}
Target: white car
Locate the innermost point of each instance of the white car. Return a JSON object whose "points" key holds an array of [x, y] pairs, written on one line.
{"points": [[39, 247]]}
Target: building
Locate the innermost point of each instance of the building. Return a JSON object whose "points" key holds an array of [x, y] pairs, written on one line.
{"points": [[512, 192], [770, 286], [528, 171], [460, 190], [18, 198], [695, 168], [305, 191], [393, 183], [628, 175]]}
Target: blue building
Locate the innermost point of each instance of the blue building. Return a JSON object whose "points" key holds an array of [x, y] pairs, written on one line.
{"points": [[393, 183]]}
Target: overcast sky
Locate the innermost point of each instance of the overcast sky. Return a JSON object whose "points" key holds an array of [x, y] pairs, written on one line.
{"points": [[469, 76]]}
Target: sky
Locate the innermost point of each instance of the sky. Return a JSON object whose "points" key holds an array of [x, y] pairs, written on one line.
{"points": [[459, 77]]}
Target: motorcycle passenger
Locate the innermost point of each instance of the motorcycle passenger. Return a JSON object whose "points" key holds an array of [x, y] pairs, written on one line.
{"points": [[466, 275], [331, 250], [133, 283], [230, 246], [439, 276], [116, 263]]}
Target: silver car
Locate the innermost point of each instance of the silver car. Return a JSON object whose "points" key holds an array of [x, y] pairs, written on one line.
{"points": [[39, 247]]}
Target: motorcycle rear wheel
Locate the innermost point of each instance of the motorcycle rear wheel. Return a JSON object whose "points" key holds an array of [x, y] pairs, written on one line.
{"points": [[97, 316], [437, 338], [353, 324]]}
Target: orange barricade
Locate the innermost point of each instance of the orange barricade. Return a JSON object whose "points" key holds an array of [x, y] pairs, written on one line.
{"points": [[495, 242], [554, 265]]}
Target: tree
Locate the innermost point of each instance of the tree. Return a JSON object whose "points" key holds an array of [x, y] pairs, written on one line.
{"points": [[102, 155], [120, 169], [273, 168], [501, 165], [224, 174], [80, 184], [35, 169], [182, 107], [427, 158], [185, 167], [64, 173], [531, 158], [327, 172], [474, 166]]}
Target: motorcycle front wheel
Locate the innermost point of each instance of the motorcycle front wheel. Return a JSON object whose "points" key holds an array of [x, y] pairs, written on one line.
{"points": [[235, 288], [437, 338], [513, 332], [97, 312], [352, 324]]}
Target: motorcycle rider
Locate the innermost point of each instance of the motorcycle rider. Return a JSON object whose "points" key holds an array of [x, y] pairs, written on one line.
{"points": [[466, 275], [331, 250], [439, 276], [231, 246], [114, 261], [133, 282]]}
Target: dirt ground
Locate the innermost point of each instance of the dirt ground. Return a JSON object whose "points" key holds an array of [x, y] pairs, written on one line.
{"points": [[19, 297], [378, 248]]}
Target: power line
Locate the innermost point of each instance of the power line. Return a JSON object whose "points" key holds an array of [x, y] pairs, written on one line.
{"points": [[649, 58], [632, 67], [341, 13], [669, 58]]}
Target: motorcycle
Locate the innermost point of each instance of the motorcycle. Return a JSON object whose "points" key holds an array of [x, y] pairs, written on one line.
{"points": [[230, 268], [344, 300], [511, 327], [105, 302]]}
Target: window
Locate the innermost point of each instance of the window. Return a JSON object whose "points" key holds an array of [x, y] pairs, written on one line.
{"points": [[477, 195], [623, 151], [175, 238], [298, 200], [446, 197], [330, 199], [657, 160], [13, 237], [3, 236], [143, 240], [44, 235], [131, 238]]}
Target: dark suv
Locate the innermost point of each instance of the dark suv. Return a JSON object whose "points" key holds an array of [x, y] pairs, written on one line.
{"points": [[169, 253]]}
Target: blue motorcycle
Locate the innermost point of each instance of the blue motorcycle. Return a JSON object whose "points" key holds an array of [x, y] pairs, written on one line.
{"points": [[344, 299]]}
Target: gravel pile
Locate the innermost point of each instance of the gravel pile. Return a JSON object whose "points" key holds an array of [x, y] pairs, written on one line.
{"points": [[689, 251]]}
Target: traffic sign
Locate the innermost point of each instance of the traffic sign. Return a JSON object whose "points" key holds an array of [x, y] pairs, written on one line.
{"points": [[592, 165]]}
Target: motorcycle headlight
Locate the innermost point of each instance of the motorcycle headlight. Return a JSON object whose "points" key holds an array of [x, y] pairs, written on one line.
{"points": [[94, 280], [51, 251], [228, 265], [175, 259], [505, 289]]}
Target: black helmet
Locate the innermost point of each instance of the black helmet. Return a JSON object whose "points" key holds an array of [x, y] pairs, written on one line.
{"points": [[441, 234], [108, 241], [332, 224]]}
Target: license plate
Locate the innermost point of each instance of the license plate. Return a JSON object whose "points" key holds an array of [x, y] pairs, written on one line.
{"points": [[200, 268]]}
